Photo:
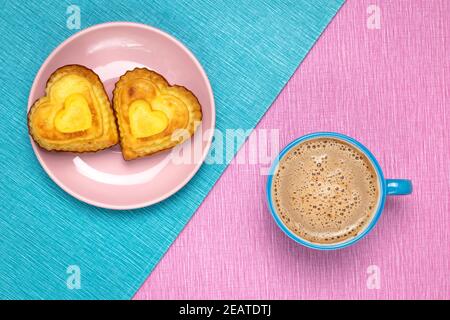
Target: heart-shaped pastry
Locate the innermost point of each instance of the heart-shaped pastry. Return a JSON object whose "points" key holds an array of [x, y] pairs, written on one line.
{"points": [[75, 114], [153, 115]]}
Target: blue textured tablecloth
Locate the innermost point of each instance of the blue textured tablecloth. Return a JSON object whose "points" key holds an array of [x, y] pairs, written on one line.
{"points": [[249, 50]]}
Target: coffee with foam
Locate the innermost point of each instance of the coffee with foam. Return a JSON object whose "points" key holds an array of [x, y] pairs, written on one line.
{"points": [[325, 190]]}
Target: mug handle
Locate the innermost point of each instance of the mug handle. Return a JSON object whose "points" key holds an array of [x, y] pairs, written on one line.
{"points": [[398, 187]]}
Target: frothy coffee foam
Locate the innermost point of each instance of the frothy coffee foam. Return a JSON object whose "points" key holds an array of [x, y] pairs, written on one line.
{"points": [[325, 190]]}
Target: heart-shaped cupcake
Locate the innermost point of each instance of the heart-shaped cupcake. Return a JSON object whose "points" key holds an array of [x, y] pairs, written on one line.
{"points": [[153, 115], [75, 114]]}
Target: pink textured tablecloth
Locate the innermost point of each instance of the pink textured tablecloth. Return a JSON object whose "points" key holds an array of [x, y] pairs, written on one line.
{"points": [[388, 88]]}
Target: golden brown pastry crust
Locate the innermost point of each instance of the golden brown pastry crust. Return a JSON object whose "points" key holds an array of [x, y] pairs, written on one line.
{"points": [[181, 107], [65, 81]]}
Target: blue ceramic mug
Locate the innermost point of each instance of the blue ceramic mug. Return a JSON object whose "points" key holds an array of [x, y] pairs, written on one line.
{"points": [[386, 187]]}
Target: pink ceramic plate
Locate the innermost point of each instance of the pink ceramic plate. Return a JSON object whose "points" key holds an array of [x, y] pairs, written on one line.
{"points": [[104, 179]]}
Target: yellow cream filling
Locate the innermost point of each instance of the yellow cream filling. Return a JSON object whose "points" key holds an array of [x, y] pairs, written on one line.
{"points": [[74, 116], [144, 121]]}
